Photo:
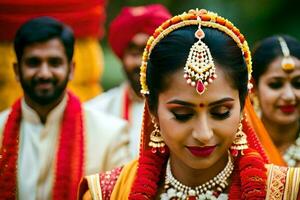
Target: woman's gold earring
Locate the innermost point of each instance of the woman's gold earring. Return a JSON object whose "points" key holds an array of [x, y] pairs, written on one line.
{"points": [[240, 141], [156, 141]]}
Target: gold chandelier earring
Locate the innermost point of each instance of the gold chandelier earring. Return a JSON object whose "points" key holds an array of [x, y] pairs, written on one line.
{"points": [[240, 141], [156, 141]]}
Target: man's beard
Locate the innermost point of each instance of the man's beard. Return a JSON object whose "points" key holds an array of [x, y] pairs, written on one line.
{"points": [[134, 80], [45, 98]]}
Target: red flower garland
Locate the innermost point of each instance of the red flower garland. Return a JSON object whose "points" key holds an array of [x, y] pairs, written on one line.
{"points": [[70, 155], [9, 153]]}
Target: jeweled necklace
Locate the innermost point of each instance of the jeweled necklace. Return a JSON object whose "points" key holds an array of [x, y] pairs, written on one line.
{"points": [[177, 190], [292, 155]]}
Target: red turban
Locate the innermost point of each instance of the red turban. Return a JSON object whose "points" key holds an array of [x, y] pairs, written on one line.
{"points": [[133, 20], [85, 17]]}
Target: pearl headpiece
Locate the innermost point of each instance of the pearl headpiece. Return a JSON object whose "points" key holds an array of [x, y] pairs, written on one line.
{"points": [[199, 69]]}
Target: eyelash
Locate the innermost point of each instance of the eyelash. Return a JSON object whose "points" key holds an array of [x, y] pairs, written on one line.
{"points": [[182, 117], [221, 116], [186, 117]]}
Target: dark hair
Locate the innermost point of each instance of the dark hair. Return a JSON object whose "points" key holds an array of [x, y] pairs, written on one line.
{"points": [[171, 53], [42, 29], [268, 49]]}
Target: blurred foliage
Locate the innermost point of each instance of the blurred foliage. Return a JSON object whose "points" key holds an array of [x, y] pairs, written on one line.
{"points": [[256, 19]]}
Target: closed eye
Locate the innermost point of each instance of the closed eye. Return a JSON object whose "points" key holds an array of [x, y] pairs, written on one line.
{"points": [[221, 116], [221, 112], [182, 117]]}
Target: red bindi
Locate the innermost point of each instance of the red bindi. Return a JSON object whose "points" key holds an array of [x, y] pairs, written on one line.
{"points": [[201, 105]]}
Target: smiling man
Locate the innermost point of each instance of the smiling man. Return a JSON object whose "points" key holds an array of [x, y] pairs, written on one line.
{"points": [[48, 140]]}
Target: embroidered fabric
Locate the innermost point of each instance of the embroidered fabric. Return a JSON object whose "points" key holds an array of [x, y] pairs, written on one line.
{"points": [[107, 182]]}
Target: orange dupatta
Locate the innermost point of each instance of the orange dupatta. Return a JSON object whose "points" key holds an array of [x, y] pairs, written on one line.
{"points": [[264, 138]]}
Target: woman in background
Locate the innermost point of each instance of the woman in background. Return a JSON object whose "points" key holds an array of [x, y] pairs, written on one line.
{"points": [[276, 74]]}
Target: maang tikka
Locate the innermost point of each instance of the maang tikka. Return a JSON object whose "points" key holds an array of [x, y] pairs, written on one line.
{"points": [[199, 68], [287, 63]]}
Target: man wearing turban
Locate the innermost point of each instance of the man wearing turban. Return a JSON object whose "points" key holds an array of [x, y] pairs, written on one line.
{"points": [[128, 34]]}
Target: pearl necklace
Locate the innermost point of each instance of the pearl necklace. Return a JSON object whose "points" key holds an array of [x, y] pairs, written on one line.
{"points": [[292, 154], [177, 190]]}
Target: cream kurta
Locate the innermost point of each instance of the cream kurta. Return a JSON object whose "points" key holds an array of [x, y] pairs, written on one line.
{"points": [[105, 147], [112, 102]]}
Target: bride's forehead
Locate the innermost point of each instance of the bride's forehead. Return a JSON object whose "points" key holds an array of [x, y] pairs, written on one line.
{"points": [[177, 86], [177, 78]]}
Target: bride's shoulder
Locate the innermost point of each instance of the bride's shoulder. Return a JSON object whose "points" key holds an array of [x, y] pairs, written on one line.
{"points": [[98, 186]]}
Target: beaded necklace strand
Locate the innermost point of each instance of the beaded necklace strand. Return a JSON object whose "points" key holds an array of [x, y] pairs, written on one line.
{"points": [[292, 155], [175, 189]]}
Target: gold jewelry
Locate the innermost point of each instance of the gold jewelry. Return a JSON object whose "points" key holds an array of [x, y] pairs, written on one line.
{"points": [[240, 141], [208, 19], [177, 190], [156, 141], [287, 63], [199, 68]]}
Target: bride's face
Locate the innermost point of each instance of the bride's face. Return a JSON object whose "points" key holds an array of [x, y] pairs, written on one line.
{"points": [[198, 129]]}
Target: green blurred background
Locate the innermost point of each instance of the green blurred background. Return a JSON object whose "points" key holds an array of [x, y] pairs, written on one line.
{"points": [[256, 19]]}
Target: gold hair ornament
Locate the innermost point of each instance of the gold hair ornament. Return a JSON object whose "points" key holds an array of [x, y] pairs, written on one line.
{"points": [[287, 63], [199, 68], [202, 18]]}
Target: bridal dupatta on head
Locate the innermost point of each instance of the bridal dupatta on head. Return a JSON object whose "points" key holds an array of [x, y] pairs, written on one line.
{"points": [[270, 149]]}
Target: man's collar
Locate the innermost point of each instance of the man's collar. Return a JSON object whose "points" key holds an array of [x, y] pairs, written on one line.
{"points": [[55, 114]]}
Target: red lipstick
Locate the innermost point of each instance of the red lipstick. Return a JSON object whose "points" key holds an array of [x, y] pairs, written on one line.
{"points": [[201, 151], [288, 108]]}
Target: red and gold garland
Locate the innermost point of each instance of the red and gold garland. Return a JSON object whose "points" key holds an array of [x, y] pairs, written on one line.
{"points": [[70, 154]]}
